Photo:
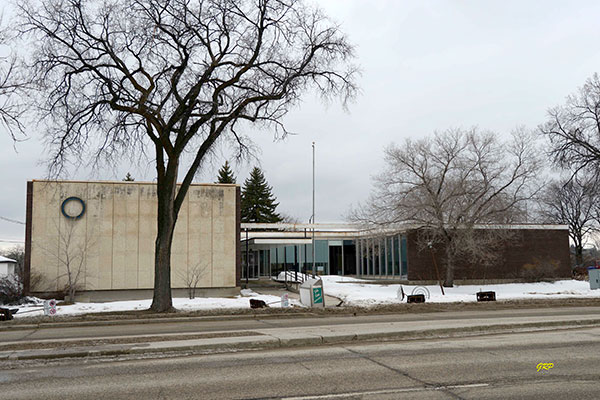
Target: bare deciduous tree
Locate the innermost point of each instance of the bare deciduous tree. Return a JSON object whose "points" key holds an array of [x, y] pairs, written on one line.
{"points": [[573, 201], [192, 277], [70, 256], [574, 128], [450, 183], [11, 110], [170, 78]]}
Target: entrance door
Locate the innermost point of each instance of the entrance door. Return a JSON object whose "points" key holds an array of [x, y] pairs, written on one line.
{"points": [[252, 267], [335, 260]]}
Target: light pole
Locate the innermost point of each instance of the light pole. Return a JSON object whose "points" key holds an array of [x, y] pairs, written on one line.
{"points": [[313, 212]]}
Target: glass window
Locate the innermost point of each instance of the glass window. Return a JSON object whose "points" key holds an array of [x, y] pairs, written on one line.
{"points": [[308, 252], [280, 254], [321, 251], [265, 265], [367, 257], [397, 256], [404, 256], [379, 255], [289, 254], [389, 253]]}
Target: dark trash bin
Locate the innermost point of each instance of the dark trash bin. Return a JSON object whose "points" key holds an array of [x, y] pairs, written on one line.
{"points": [[486, 296], [415, 298]]}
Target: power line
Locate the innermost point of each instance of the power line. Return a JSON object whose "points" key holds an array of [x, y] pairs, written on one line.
{"points": [[14, 221]]}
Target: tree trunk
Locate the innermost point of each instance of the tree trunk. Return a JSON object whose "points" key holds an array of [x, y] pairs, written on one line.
{"points": [[578, 255], [166, 190], [449, 282]]}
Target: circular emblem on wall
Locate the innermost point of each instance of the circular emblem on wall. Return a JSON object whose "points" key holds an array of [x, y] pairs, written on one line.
{"points": [[70, 214]]}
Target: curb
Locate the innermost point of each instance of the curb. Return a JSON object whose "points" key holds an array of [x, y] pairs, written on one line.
{"points": [[267, 341], [166, 320]]}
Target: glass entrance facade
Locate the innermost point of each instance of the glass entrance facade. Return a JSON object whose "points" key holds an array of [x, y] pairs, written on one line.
{"points": [[335, 257], [384, 256]]}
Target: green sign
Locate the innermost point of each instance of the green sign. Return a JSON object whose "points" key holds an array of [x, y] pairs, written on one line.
{"points": [[317, 295]]}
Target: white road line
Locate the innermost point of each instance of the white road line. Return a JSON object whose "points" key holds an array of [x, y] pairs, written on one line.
{"points": [[383, 391]]}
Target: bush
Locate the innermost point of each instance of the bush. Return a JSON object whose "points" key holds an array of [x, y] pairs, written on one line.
{"points": [[11, 290], [540, 270]]}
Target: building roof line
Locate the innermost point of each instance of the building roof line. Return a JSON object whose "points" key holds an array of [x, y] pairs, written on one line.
{"points": [[130, 182], [358, 228]]}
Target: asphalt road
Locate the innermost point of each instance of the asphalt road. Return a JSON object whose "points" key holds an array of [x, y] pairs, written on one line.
{"points": [[486, 367], [236, 324]]}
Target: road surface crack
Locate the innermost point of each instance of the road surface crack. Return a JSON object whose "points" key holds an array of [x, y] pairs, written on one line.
{"points": [[425, 384]]}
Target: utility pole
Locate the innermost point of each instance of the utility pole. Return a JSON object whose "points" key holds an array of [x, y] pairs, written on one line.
{"points": [[313, 212]]}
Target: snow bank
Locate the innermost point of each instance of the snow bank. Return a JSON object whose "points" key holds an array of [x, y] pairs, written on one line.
{"points": [[353, 291], [184, 304], [292, 277], [359, 293]]}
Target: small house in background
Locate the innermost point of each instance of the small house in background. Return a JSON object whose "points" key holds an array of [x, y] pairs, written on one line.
{"points": [[7, 267]]}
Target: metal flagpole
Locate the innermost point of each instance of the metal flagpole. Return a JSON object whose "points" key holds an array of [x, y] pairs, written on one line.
{"points": [[313, 212]]}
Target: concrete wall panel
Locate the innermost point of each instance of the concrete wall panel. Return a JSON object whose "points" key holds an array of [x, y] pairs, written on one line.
{"points": [[99, 232], [117, 233], [179, 251], [73, 245], [125, 236], [147, 236]]}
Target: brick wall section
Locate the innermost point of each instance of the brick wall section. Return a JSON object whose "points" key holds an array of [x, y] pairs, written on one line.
{"points": [[28, 217], [532, 251]]}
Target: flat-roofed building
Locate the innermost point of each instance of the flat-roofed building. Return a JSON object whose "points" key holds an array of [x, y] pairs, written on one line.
{"points": [[107, 231], [346, 249]]}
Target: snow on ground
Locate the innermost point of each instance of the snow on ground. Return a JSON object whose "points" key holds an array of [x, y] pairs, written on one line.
{"points": [[358, 292], [292, 277], [354, 292], [184, 304]]}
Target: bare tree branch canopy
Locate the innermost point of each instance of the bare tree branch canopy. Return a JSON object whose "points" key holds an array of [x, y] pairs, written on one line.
{"points": [[11, 110], [573, 201], [451, 182], [574, 128], [171, 78]]}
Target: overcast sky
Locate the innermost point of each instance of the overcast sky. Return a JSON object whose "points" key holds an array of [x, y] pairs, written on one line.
{"points": [[427, 65]]}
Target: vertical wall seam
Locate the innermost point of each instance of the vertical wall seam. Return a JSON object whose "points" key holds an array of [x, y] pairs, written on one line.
{"points": [[57, 211], [137, 275], [212, 243], [112, 240], [86, 245], [187, 254]]}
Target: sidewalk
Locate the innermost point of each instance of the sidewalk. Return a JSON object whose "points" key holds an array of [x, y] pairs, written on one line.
{"points": [[264, 338]]}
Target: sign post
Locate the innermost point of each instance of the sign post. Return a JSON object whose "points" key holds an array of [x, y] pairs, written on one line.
{"points": [[50, 307], [285, 300]]}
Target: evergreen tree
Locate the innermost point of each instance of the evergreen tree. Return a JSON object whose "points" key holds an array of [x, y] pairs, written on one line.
{"points": [[258, 202], [225, 174]]}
